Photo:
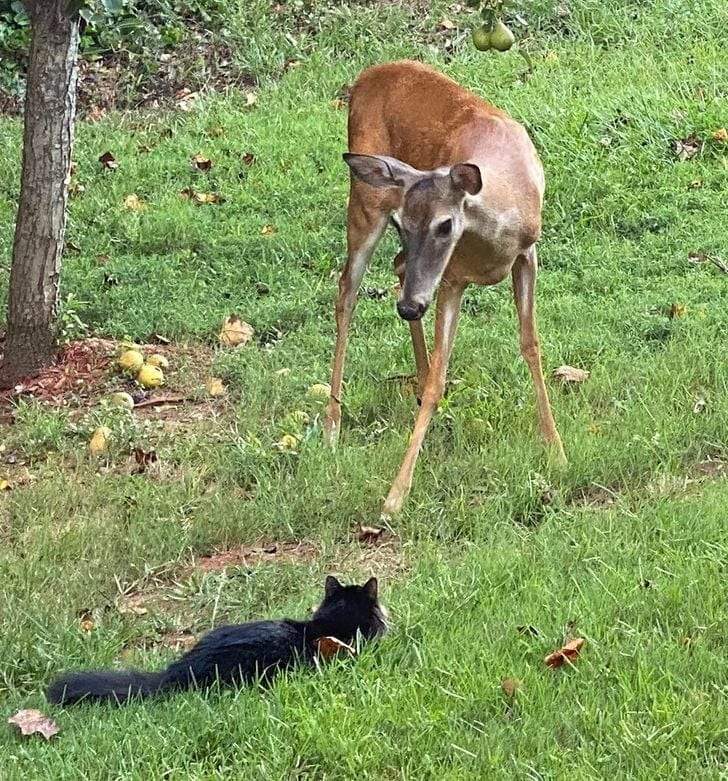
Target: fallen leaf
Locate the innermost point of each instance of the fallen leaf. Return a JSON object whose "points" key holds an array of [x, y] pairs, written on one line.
{"points": [[108, 160], [215, 386], [235, 332], [95, 113], [186, 99], [338, 104], [268, 230], [248, 158], [250, 98], [510, 687], [567, 654], [446, 24], [676, 310], [720, 135], [201, 162], [687, 148], [571, 374], [328, 647], [31, 722], [134, 202], [144, 459], [370, 534], [5, 485], [87, 623], [700, 405]]}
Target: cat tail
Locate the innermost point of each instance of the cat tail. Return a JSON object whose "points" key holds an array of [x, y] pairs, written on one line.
{"points": [[110, 685]]}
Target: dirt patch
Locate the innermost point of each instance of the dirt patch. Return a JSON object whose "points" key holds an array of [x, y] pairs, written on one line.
{"points": [[260, 553], [711, 468]]}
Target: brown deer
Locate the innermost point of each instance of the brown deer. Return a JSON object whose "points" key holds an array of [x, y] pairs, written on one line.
{"points": [[463, 185]]}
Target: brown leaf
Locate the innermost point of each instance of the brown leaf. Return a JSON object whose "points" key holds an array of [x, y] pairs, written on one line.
{"points": [[144, 458], [571, 374], [328, 647], [95, 113], [108, 160], [676, 310], [31, 722], [201, 162], [446, 24], [370, 534], [200, 198], [567, 654], [235, 331], [248, 158], [338, 104], [268, 230], [687, 148], [720, 135], [510, 687]]}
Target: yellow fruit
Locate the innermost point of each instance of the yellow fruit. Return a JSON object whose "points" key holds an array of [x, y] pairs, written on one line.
{"points": [[99, 442], [158, 360], [481, 39], [215, 386], [288, 443], [235, 331], [131, 361], [121, 399], [502, 38], [150, 376], [320, 391]]}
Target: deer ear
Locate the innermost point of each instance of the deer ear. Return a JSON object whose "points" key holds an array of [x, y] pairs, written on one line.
{"points": [[467, 177], [371, 588], [331, 586], [381, 171]]}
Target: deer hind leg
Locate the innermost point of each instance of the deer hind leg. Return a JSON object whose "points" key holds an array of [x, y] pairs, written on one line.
{"points": [[366, 222], [446, 320], [524, 283], [417, 332]]}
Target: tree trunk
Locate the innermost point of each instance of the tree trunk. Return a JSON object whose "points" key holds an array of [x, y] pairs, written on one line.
{"points": [[50, 109]]}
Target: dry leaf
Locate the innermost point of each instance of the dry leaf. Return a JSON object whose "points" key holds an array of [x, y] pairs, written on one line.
{"points": [[87, 624], [248, 158], [370, 534], [95, 113], [215, 386], [235, 332], [250, 98], [108, 160], [328, 647], [134, 202], [31, 722], [144, 459], [338, 104], [676, 310], [510, 687], [567, 654], [268, 230], [446, 24], [687, 148], [5, 485], [720, 135], [700, 405], [201, 162], [571, 374]]}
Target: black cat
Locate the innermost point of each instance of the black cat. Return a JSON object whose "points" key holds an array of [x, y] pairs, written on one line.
{"points": [[240, 653]]}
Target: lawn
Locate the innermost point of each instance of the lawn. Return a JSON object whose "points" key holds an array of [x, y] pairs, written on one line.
{"points": [[497, 558]]}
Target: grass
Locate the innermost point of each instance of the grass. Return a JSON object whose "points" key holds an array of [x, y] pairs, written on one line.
{"points": [[626, 547]]}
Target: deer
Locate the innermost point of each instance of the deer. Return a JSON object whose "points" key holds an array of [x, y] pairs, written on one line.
{"points": [[462, 184]]}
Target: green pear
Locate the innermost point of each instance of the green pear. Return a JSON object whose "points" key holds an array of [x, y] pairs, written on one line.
{"points": [[502, 38], [482, 38]]}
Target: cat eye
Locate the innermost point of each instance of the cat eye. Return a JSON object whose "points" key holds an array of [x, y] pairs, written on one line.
{"points": [[444, 229]]}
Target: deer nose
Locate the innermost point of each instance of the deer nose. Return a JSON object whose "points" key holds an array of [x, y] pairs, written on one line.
{"points": [[410, 311]]}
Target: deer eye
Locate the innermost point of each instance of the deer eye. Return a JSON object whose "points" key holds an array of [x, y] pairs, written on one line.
{"points": [[444, 229]]}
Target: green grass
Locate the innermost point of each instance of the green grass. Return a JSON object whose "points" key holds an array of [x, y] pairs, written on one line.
{"points": [[490, 539]]}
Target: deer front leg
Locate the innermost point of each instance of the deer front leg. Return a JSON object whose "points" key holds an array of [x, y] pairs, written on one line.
{"points": [[524, 283], [448, 311], [365, 227], [417, 332]]}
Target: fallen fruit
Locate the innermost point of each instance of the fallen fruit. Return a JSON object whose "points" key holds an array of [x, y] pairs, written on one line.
{"points": [[288, 443], [121, 399], [329, 647], [32, 721], [481, 39], [158, 360], [571, 374], [215, 386], [320, 391], [131, 361], [501, 38], [99, 442], [235, 331], [150, 376]]}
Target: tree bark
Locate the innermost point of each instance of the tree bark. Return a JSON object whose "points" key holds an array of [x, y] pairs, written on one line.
{"points": [[50, 110]]}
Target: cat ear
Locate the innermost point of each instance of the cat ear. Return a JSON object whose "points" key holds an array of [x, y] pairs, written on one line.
{"points": [[331, 586], [371, 588]]}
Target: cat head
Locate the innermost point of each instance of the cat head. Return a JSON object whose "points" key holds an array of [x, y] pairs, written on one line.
{"points": [[347, 611]]}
